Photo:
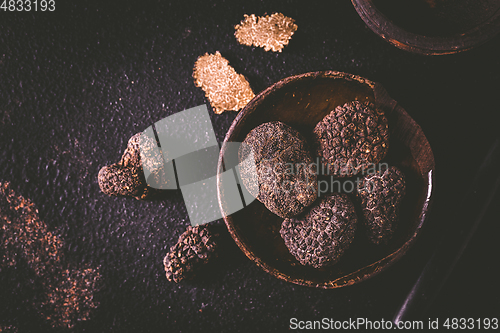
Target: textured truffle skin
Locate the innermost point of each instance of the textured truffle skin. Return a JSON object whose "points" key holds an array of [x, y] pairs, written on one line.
{"points": [[286, 182], [351, 138], [381, 194], [195, 247], [126, 178], [320, 237], [117, 180]]}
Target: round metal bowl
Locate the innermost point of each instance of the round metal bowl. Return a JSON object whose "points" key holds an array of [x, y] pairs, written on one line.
{"points": [[432, 27], [301, 101]]}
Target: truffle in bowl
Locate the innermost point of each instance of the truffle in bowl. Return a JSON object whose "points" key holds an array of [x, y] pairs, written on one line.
{"points": [[301, 102]]}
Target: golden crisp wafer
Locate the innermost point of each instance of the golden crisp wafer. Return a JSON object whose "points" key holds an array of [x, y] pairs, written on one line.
{"points": [[269, 32], [224, 88]]}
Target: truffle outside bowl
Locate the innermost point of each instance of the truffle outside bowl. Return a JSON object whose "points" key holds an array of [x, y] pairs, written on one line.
{"points": [[301, 101]]}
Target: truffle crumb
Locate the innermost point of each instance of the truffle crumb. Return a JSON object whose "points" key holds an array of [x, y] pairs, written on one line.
{"points": [[381, 194], [269, 32], [69, 293], [321, 236], [195, 247], [352, 138], [8, 329], [23, 235], [224, 88], [70, 296]]}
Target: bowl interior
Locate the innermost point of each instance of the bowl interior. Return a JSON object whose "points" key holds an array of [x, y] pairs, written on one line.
{"points": [[432, 27], [301, 101], [438, 17]]}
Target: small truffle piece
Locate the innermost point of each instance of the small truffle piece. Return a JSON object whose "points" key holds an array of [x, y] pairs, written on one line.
{"points": [[126, 178], [224, 88], [321, 236], [286, 182], [352, 138], [381, 194], [131, 157], [195, 247], [118, 180], [269, 32]]}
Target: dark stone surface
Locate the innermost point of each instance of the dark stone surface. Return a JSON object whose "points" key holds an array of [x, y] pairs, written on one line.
{"points": [[77, 83]]}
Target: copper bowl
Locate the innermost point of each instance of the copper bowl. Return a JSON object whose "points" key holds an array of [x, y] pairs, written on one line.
{"points": [[432, 27], [301, 101]]}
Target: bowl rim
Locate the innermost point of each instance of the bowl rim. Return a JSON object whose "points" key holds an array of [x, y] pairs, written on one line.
{"points": [[408, 41], [379, 91]]}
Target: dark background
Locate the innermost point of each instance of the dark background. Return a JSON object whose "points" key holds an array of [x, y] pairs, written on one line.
{"points": [[77, 83]]}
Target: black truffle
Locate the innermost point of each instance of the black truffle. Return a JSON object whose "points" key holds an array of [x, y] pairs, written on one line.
{"points": [[285, 182], [117, 180], [320, 237], [195, 247], [381, 194], [126, 178], [351, 138]]}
